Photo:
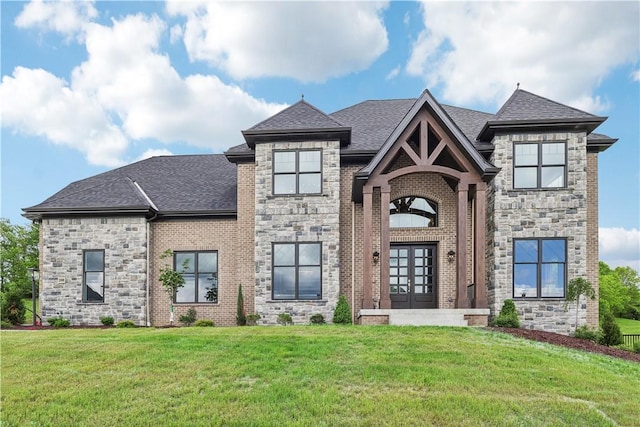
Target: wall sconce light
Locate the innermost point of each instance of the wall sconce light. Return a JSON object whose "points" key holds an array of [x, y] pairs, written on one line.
{"points": [[376, 257], [451, 256]]}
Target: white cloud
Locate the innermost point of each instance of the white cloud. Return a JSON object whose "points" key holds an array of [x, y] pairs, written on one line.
{"points": [[65, 17], [477, 52], [43, 105], [307, 41], [393, 73], [636, 76], [620, 247], [128, 90]]}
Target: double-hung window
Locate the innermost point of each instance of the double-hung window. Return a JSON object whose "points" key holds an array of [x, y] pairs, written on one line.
{"points": [[93, 276], [539, 165], [200, 273], [297, 172], [539, 268], [296, 271]]}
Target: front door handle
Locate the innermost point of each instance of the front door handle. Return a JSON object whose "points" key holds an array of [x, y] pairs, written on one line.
{"points": [[408, 286]]}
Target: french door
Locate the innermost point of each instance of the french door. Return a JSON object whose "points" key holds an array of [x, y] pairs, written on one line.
{"points": [[412, 276]]}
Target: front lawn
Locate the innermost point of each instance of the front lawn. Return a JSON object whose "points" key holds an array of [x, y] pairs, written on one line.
{"points": [[313, 375], [628, 326]]}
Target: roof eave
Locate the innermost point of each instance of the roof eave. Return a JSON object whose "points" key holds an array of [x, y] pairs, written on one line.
{"points": [[36, 214], [253, 137], [600, 145], [241, 157], [492, 127], [202, 214]]}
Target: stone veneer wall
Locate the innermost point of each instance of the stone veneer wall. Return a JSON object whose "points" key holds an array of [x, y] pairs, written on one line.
{"points": [[314, 218], [517, 214], [197, 235], [124, 241]]}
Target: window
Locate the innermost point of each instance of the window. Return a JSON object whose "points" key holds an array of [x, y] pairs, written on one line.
{"points": [[539, 165], [296, 271], [539, 268], [93, 276], [200, 273], [297, 172], [413, 212]]}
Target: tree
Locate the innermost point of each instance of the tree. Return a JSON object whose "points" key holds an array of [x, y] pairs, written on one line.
{"points": [[170, 279], [578, 287], [619, 291], [241, 315], [342, 313], [19, 251], [611, 334]]}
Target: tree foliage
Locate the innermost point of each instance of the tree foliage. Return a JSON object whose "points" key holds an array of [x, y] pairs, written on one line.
{"points": [[342, 312], [578, 287], [619, 291], [241, 314], [19, 251]]}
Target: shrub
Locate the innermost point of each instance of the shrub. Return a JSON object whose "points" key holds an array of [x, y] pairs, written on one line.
{"points": [[285, 319], [342, 313], [58, 322], [584, 333], [241, 316], [636, 347], [252, 319], [5, 325], [317, 319], [107, 321], [13, 308], [189, 318], [508, 317], [611, 334], [204, 322], [126, 324]]}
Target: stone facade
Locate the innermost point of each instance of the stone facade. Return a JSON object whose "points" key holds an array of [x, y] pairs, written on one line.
{"points": [[557, 213], [124, 241], [312, 218]]}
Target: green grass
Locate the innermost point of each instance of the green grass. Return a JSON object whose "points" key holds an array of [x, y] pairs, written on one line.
{"points": [[314, 375], [628, 326]]}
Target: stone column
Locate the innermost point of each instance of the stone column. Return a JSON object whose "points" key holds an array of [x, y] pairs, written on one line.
{"points": [[461, 245]]}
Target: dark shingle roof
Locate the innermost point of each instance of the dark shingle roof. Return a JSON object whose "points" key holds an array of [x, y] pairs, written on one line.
{"points": [[372, 121], [300, 115], [173, 185], [523, 105]]}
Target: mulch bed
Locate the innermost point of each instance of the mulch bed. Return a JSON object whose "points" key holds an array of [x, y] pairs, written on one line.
{"points": [[571, 342]]}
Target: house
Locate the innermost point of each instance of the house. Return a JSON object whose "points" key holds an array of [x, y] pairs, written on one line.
{"points": [[417, 212]]}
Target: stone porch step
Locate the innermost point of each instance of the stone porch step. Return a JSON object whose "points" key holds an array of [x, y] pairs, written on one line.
{"points": [[427, 317]]}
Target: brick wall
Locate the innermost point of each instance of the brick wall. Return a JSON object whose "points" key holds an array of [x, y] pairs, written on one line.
{"points": [[197, 235], [592, 236]]}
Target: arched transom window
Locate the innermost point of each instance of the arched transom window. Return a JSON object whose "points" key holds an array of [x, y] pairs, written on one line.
{"points": [[413, 212]]}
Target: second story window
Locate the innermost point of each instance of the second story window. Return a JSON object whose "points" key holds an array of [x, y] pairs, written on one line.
{"points": [[297, 172], [539, 165]]}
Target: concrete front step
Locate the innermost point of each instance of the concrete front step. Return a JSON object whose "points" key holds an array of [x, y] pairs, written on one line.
{"points": [[426, 317]]}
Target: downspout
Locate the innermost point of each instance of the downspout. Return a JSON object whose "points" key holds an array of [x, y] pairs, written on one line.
{"points": [[148, 227], [353, 262]]}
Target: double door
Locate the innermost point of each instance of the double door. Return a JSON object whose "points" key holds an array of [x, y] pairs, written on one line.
{"points": [[412, 276]]}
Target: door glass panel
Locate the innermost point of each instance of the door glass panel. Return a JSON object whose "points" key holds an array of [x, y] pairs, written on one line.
{"points": [[419, 252], [403, 289], [418, 289], [393, 262], [393, 280], [419, 261], [403, 271], [402, 280], [393, 271], [404, 261], [403, 252], [393, 253], [393, 289], [419, 280], [419, 271]]}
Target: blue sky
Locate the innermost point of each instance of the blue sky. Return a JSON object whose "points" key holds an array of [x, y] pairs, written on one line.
{"points": [[89, 86]]}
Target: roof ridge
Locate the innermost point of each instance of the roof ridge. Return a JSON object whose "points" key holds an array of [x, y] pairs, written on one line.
{"points": [[371, 100]]}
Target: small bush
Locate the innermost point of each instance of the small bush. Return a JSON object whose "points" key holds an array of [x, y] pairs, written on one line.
{"points": [[241, 315], [285, 319], [58, 322], [107, 321], [252, 319], [5, 325], [636, 347], [317, 319], [342, 313], [13, 308], [611, 334], [204, 322], [189, 318], [126, 324], [584, 333], [508, 317]]}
